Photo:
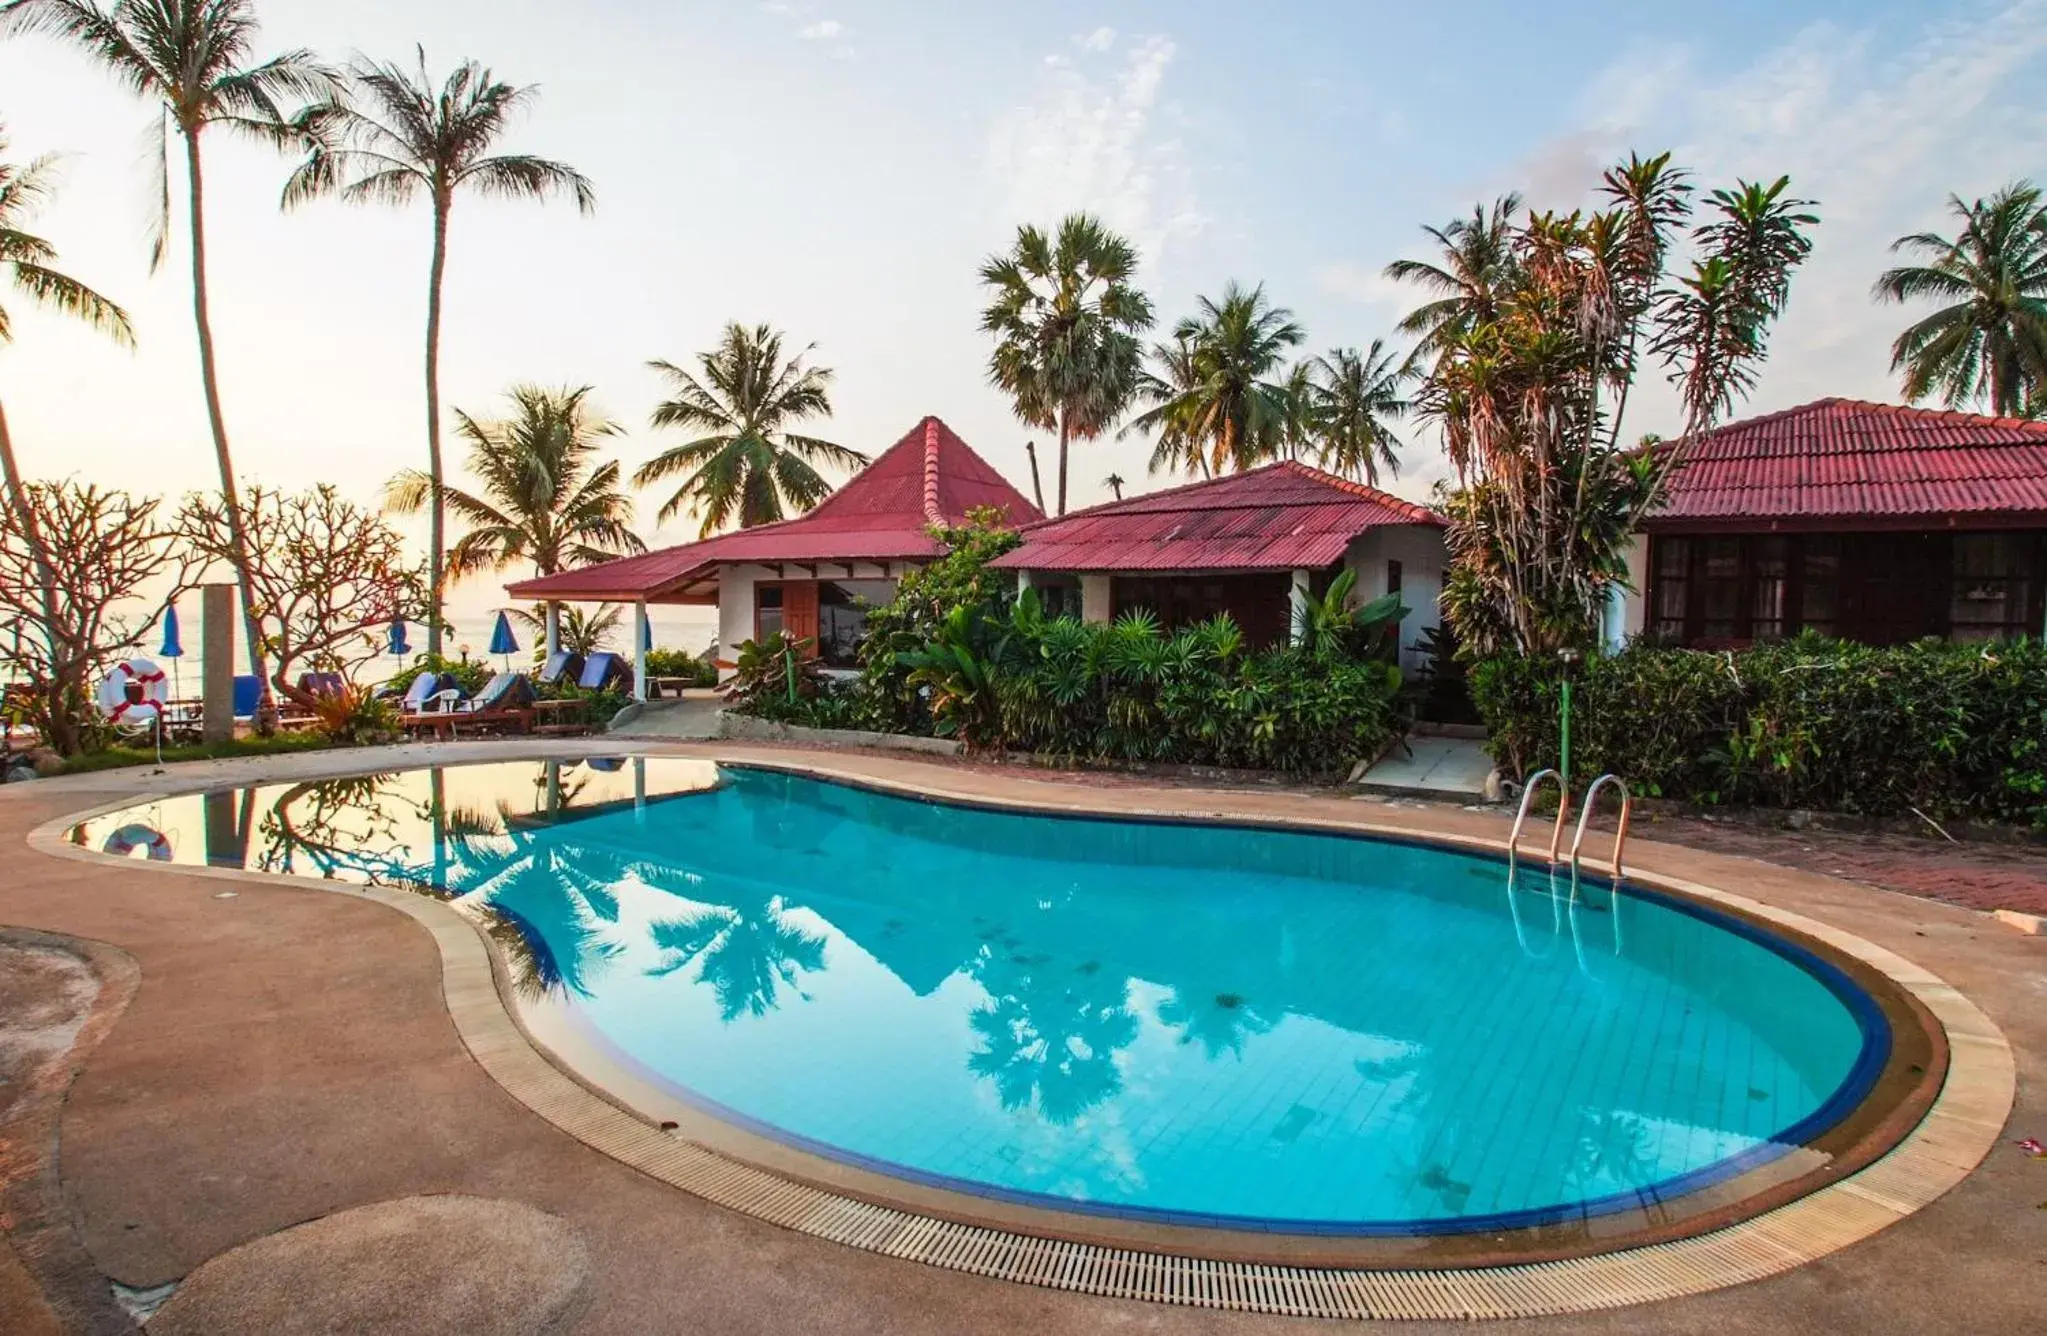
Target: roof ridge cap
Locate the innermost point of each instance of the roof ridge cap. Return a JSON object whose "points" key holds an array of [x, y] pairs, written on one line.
{"points": [[932, 513], [1358, 489]]}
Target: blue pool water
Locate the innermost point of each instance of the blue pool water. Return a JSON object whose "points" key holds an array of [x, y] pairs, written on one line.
{"points": [[1182, 1021]]}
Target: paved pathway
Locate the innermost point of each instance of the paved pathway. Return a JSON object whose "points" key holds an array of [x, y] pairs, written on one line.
{"points": [[1452, 769], [286, 1056]]}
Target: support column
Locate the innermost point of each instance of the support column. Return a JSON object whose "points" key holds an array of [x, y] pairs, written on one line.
{"points": [[1297, 606], [554, 628], [640, 649], [1096, 599], [217, 649]]}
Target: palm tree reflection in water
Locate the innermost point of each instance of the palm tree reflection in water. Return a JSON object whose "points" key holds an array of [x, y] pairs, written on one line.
{"points": [[745, 948], [1049, 1031]]}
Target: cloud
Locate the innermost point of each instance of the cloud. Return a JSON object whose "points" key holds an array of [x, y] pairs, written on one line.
{"points": [[1365, 284], [823, 30], [1098, 135]]}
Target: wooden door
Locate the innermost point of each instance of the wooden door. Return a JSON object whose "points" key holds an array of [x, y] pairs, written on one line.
{"points": [[799, 610]]}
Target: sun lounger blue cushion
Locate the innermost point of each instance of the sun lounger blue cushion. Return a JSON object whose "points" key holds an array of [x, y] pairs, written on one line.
{"points": [[423, 686], [562, 666], [601, 669], [248, 694], [506, 691]]}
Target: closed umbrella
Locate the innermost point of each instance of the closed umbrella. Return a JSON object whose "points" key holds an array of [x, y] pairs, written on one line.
{"points": [[399, 649], [502, 641], [172, 649], [647, 637]]}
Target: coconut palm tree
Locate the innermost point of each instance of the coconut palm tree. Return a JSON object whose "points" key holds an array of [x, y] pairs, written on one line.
{"points": [[1066, 317], [193, 58], [1302, 409], [1171, 384], [1114, 482], [402, 138], [581, 630], [1233, 412], [27, 259], [1478, 263], [746, 464], [1360, 391], [542, 501], [1988, 344]]}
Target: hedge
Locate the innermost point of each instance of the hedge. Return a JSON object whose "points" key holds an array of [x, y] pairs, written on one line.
{"points": [[1953, 730]]}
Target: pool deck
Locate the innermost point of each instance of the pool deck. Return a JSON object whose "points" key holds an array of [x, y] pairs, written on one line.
{"points": [[287, 1054]]}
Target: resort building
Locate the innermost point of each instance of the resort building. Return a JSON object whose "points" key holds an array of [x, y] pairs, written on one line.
{"points": [[810, 576], [1251, 544], [1865, 521]]}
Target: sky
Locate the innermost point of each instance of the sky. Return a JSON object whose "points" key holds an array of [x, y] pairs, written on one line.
{"points": [[840, 170]]}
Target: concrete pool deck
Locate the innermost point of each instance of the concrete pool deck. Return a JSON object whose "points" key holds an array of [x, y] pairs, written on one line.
{"points": [[287, 1055]]}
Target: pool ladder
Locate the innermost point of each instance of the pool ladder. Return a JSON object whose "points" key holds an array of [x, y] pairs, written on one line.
{"points": [[1557, 902]]}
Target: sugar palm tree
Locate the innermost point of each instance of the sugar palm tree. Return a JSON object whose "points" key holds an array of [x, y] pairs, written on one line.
{"points": [[27, 259], [746, 463], [1233, 411], [1988, 344], [193, 58], [1066, 317], [401, 138], [1360, 392], [544, 499]]}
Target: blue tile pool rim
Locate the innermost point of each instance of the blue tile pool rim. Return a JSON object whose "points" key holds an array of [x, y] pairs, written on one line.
{"points": [[1869, 1017]]}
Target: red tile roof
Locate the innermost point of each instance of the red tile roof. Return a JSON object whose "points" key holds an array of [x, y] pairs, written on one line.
{"points": [[1842, 463], [1280, 517], [928, 477]]}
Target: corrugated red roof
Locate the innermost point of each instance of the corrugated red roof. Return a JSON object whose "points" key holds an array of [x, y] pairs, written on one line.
{"points": [[1283, 516], [928, 477], [1840, 462]]}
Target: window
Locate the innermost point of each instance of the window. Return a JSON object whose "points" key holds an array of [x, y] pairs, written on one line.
{"points": [[1819, 585], [767, 610], [842, 617], [1769, 565], [1992, 593], [1672, 584], [1720, 588], [1392, 577]]}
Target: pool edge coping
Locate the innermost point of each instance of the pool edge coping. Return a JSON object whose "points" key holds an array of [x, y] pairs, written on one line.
{"points": [[1954, 1136]]}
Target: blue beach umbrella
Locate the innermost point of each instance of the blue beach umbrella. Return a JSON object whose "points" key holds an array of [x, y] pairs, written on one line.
{"points": [[647, 637], [172, 649], [501, 639], [399, 649]]}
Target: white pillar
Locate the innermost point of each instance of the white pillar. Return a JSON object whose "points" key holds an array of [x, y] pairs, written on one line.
{"points": [[1297, 606], [1616, 628], [1097, 602], [554, 628], [640, 649], [1023, 582]]}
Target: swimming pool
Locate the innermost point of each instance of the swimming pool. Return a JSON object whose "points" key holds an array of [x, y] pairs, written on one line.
{"points": [[1194, 1024]]}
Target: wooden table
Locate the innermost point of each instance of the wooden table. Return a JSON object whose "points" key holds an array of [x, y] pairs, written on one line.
{"points": [[560, 718]]}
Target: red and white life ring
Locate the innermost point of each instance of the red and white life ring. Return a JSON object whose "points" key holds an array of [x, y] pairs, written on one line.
{"points": [[135, 835], [133, 695]]}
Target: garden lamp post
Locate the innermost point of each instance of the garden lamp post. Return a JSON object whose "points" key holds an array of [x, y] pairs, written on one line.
{"points": [[1569, 658]]}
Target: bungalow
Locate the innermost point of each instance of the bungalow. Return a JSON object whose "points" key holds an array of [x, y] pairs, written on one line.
{"points": [[1865, 521], [812, 575], [1251, 544]]}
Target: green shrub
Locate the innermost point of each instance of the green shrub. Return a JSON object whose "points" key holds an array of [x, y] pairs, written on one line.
{"points": [[1952, 730], [471, 675], [700, 672]]}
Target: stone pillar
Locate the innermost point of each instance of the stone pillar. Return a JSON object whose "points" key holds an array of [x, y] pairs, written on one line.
{"points": [[217, 649], [1096, 600], [554, 628], [640, 649], [1297, 606]]}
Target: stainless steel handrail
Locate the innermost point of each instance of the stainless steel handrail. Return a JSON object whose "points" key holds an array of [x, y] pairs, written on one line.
{"points": [[1556, 838], [1620, 835]]}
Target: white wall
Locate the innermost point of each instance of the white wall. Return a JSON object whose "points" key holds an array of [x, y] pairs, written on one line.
{"points": [[736, 586], [1422, 556], [1635, 610]]}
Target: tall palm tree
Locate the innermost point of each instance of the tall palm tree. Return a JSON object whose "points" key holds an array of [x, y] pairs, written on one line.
{"points": [[194, 58], [1477, 266], [1233, 412], [400, 139], [1989, 343], [1171, 384], [1360, 391], [1302, 408], [746, 463], [1066, 317], [26, 259], [542, 501]]}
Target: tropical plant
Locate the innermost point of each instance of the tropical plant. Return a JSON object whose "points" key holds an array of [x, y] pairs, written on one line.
{"points": [[1301, 414], [1231, 411], [397, 138], [1359, 393], [924, 599], [193, 58], [1167, 388], [1988, 344], [1535, 344], [328, 576], [68, 621], [747, 464], [776, 666], [1114, 482], [1336, 626], [355, 716], [580, 630], [1066, 315], [27, 261], [544, 499]]}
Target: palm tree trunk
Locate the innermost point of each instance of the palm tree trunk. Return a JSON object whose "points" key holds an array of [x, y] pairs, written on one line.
{"points": [[1064, 436], [437, 506], [46, 571], [195, 194]]}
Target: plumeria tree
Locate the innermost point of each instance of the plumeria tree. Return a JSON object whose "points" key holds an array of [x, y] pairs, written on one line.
{"points": [[63, 635], [328, 576], [1538, 330]]}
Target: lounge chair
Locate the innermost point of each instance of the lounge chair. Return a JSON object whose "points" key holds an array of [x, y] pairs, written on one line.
{"points": [[562, 666], [601, 670], [506, 691], [431, 693], [506, 702], [248, 695]]}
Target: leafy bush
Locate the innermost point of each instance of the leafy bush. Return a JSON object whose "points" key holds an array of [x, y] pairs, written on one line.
{"points": [[1952, 730], [773, 671], [924, 599], [699, 672], [355, 717]]}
